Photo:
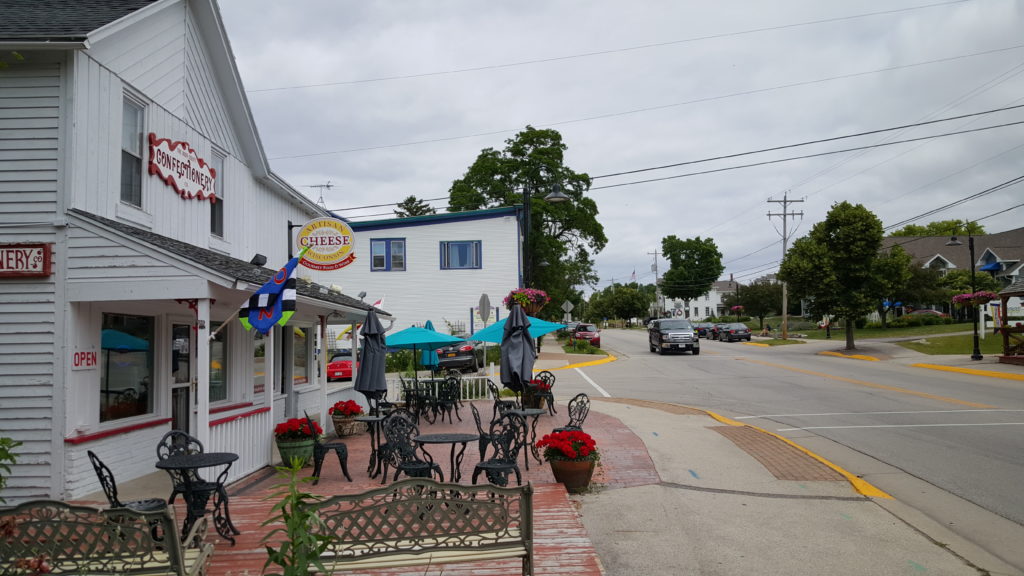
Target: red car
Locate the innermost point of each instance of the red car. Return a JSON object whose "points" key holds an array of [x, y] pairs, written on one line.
{"points": [[340, 366], [587, 332]]}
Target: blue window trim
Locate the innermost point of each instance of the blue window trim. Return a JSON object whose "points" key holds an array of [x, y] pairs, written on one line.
{"points": [[477, 254], [388, 243]]}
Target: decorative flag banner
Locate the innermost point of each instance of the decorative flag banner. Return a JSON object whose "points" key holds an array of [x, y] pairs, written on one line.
{"points": [[380, 302], [274, 302]]}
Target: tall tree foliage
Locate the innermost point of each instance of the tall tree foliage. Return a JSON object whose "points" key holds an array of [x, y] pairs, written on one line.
{"points": [[891, 278], [759, 300], [564, 235], [694, 265], [941, 228], [413, 206], [623, 301], [835, 265]]}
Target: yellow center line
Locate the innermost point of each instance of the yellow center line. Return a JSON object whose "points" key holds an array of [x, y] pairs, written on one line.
{"points": [[874, 385]]}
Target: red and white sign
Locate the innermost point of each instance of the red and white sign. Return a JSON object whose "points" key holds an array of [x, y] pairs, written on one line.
{"points": [[25, 260], [177, 164], [84, 359]]}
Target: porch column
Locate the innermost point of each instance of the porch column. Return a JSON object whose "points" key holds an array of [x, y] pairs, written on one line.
{"points": [[203, 370]]}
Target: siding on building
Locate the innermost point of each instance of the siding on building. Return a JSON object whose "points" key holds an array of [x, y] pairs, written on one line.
{"points": [[30, 106]]}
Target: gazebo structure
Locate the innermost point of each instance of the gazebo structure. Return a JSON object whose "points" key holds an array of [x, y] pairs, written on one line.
{"points": [[1013, 336]]}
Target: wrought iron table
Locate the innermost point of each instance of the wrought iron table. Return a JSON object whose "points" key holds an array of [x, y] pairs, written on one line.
{"points": [[455, 459], [196, 500], [373, 427], [532, 435]]}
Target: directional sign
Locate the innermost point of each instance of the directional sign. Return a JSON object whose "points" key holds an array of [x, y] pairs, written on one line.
{"points": [[567, 306]]}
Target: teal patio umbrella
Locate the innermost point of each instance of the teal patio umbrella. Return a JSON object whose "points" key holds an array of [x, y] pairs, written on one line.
{"points": [[429, 357], [417, 338], [494, 332]]}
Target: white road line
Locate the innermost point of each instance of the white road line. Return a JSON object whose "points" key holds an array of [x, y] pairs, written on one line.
{"points": [[592, 383], [899, 426], [868, 413]]}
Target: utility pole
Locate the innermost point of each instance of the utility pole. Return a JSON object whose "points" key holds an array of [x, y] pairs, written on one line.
{"points": [[657, 286], [785, 214]]}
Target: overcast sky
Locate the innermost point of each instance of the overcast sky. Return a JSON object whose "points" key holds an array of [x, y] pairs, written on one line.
{"points": [[390, 99]]}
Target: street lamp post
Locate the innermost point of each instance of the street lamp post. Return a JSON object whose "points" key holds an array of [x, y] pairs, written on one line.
{"points": [[556, 196], [976, 354]]}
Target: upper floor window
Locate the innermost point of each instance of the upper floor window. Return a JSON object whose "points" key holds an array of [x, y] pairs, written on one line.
{"points": [[387, 254], [217, 208], [131, 152], [460, 255]]}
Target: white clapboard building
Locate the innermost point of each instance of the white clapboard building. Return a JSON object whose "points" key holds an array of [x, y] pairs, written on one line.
{"points": [[136, 196]]}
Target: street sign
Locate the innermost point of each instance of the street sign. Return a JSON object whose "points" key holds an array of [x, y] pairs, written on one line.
{"points": [[485, 308], [567, 306]]}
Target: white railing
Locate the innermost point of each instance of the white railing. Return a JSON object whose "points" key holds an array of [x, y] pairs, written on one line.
{"points": [[473, 388], [247, 434]]}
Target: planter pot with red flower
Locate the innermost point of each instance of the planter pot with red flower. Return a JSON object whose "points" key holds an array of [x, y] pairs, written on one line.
{"points": [[290, 449], [572, 455], [343, 415], [530, 299], [295, 439]]}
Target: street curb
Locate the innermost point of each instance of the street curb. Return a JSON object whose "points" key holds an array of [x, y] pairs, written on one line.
{"points": [[972, 371], [605, 360], [861, 486]]}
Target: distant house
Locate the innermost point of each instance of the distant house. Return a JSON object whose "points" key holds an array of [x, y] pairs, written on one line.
{"points": [[435, 267], [138, 208], [707, 306], [1000, 254]]}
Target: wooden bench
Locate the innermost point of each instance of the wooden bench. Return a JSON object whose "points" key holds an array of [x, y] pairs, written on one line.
{"points": [[68, 539], [418, 521]]}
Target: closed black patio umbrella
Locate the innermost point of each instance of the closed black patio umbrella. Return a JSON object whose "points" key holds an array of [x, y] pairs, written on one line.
{"points": [[370, 375], [518, 350]]}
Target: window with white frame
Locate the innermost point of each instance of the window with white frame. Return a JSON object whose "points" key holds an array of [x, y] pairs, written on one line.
{"points": [[131, 151], [218, 364], [387, 254], [217, 206], [126, 368], [461, 255]]}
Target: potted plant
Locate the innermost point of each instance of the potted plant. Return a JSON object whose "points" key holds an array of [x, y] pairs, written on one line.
{"points": [[530, 397], [343, 414], [572, 455], [978, 298], [531, 299], [295, 440]]}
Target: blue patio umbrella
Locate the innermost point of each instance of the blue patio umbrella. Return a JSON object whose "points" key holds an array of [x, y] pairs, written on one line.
{"points": [[494, 332], [417, 338], [429, 357], [121, 342]]}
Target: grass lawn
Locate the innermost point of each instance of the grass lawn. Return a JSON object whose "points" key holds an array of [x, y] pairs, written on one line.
{"points": [[959, 344], [865, 333]]}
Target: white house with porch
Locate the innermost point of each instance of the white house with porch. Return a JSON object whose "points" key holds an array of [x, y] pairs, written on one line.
{"points": [[136, 195]]}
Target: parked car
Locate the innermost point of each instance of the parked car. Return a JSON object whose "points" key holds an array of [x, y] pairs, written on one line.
{"points": [[703, 329], [734, 331], [668, 334], [340, 365], [715, 330], [570, 327], [462, 356], [588, 333]]}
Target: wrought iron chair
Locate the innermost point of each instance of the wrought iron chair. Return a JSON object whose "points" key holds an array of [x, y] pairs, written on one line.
{"points": [[500, 405], [579, 407], [320, 450], [109, 485], [485, 437], [448, 393], [548, 395], [405, 454], [178, 442], [384, 454], [378, 403], [507, 438]]}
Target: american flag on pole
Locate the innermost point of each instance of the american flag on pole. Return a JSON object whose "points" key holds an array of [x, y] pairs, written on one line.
{"points": [[274, 302], [633, 277]]}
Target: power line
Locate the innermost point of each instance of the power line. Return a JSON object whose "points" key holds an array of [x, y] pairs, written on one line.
{"points": [[601, 52], [650, 108], [810, 142], [805, 156]]}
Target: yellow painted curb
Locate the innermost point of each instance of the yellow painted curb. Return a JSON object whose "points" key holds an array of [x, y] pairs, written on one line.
{"points": [[756, 344], [605, 360], [853, 356], [862, 486], [973, 371]]}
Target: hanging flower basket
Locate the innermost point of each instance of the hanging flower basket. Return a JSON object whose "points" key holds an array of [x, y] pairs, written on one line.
{"points": [[979, 298], [531, 299]]}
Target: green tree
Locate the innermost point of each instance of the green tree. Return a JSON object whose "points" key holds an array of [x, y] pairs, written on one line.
{"points": [[759, 300], [892, 275], [694, 265], [413, 206], [941, 228], [835, 264], [563, 235]]}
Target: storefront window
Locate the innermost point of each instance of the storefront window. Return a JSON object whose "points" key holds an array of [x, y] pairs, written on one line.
{"points": [[218, 364], [126, 369], [300, 367]]}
